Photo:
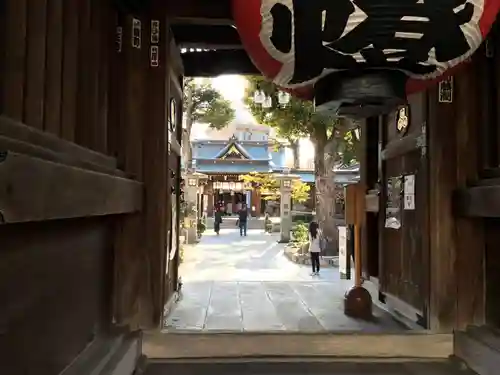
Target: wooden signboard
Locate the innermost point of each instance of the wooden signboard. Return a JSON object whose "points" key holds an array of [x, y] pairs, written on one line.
{"points": [[344, 254], [355, 201], [355, 204]]}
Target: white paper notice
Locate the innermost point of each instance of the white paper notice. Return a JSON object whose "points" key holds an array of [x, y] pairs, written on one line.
{"points": [[410, 185], [343, 264], [409, 202]]}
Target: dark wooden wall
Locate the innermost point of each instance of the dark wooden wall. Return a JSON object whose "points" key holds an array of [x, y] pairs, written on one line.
{"points": [[457, 244], [55, 68], [84, 177], [54, 287], [477, 200], [443, 263]]}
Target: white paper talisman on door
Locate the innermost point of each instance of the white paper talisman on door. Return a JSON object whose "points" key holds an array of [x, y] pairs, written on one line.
{"points": [[343, 254], [410, 184]]}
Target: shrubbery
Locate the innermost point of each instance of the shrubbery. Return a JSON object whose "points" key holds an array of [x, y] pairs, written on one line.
{"points": [[302, 218], [300, 233], [202, 227]]}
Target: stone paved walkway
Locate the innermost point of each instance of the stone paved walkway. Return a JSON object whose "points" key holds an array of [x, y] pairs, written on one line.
{"points": [[240, 284]]}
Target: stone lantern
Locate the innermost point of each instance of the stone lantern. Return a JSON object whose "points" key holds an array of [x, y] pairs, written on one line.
{"points": [[193, 182], [286, 183]]}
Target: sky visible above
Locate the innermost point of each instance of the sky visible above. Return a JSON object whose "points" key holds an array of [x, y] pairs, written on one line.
{"points": [[232, 87]]}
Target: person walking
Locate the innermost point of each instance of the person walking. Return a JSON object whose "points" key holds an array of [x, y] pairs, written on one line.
{"points": [[243, 220], [314, 247], [218, 220]]}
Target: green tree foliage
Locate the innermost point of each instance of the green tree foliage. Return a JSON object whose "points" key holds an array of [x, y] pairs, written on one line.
{"points": [[269, 185], [334, 140], [203, 104], [299, 120], [206, 105]]}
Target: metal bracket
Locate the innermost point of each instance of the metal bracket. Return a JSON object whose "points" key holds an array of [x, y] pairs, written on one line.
{"points": [[155, 31], [154, 56], [119, 39], [136, 33]]}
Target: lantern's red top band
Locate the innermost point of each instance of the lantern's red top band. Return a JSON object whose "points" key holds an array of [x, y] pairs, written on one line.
{"points": [[297, 42]]}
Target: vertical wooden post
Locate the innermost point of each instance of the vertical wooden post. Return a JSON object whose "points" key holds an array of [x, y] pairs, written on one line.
{"points": [[456, 244], [360, 219], [52, 120], [70, 64], [14, 62], [142, 148], [357, 255], [35, 69], [210, 199], [156, 165], [130, 256], [358, 301]]}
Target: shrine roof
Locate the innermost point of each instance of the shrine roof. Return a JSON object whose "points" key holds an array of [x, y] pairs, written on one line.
{"points": [[233, 168], [251, 150]]}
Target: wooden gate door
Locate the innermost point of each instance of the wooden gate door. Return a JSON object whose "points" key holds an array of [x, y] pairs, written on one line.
{"points": [[173, 194], [404, 243]]}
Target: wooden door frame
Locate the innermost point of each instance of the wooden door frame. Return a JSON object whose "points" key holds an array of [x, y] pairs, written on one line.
{"points": [[390, 150]]}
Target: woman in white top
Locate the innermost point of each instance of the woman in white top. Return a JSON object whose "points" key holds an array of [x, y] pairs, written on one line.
{"points": [[314, 246]]}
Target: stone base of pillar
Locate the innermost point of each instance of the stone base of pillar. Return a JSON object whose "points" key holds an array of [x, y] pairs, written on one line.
{"points": [[192, 236], [285, 229]]}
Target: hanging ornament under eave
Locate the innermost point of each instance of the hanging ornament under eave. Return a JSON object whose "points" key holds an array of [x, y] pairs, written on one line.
{"points": [[283, 98], [268, 102], [296, 43], [259, 97]]}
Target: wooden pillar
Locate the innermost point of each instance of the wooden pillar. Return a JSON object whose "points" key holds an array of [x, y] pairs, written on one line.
{"points": [[141, 249], [456, 244], [52, 110], [210, 199], [129, 249], [13, 74], [156, 163], [369, 174], [70, 64], [35, 63]]}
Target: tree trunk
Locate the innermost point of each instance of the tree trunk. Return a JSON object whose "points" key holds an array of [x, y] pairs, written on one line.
{"points": [[294, 145], [324, 163]]}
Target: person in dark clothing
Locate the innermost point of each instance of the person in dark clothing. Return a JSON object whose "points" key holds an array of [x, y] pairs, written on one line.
{"points": [[243, 219], [218, 220]]}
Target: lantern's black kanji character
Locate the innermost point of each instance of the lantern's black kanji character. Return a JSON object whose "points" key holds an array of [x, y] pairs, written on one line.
{"points": [[410, 29], [395, 33], [311, 57]]}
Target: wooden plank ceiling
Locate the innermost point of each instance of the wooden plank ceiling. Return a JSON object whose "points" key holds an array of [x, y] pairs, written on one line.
{"points": [[209, 42]]}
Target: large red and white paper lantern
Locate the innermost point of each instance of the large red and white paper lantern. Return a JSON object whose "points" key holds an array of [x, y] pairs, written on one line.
{"points": [[297, 42]]}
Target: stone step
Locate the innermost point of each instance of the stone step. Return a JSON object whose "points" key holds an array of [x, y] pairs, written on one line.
{"points": [[479, 348], [421, 345], [301, 366]]}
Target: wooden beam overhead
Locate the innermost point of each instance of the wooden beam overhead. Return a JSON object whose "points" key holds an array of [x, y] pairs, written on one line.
{"points": [[207, 36], [215, 63], [478, 201], [214, 12]]}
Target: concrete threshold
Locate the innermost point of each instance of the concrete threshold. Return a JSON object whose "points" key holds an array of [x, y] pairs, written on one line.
{"points": [[331, 346]]}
